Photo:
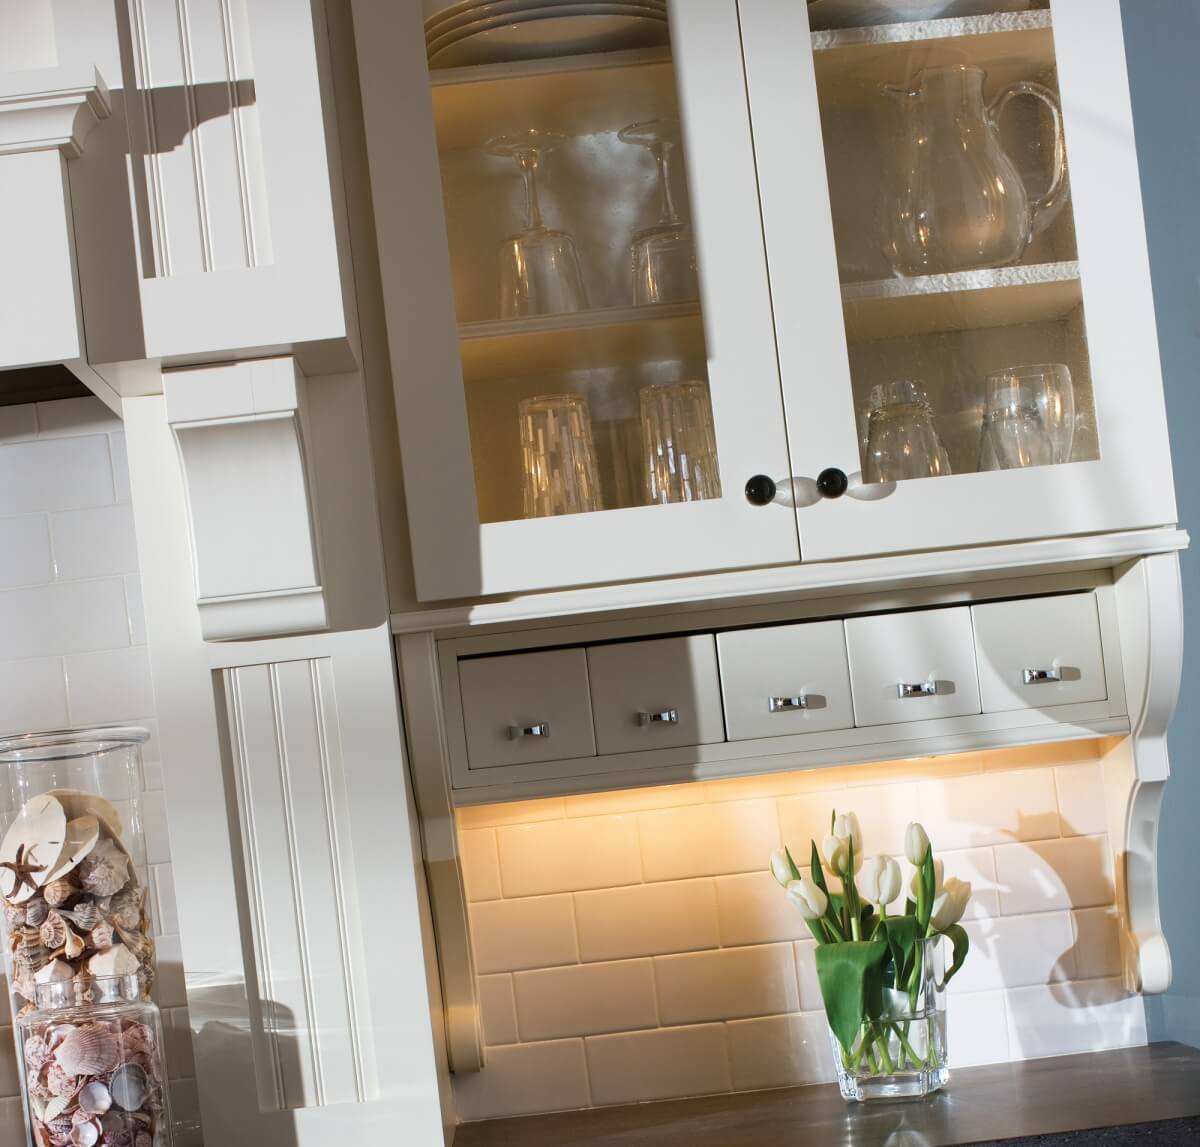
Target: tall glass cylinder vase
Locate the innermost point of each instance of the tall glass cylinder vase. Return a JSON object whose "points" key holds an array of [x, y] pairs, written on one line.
{"points": [[73, 879]]}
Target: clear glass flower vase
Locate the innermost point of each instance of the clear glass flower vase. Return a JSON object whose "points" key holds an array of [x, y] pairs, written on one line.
{"points": [[903, 1053]]}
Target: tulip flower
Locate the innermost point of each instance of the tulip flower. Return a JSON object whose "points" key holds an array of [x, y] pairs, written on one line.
{"points": [[879, 881], [846, 827], [807, 897], [949, 905], [835, 848], [916, 843], [780, 869], [939, 871]]}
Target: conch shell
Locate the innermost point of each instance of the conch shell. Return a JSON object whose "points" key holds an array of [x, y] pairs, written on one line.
{"points": [[89, 1050]]}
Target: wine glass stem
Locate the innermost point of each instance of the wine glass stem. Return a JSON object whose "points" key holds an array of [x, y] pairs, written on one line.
{"points": [[661, 150], [529, 166]]}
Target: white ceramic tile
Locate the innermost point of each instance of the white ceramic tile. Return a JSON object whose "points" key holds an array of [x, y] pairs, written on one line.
{"points": [[1072, 873], [635, 800], [166, 921], [1081, 799], [976, 865], [10, 1081], [1042, 756], [480, 862], [732, 983], [113, 686], [806, 973], [779, 1051], [511, 812], [884, 812], [60, 474], [708, 840], [154, 822], [663, 1064], [25, 551], [523, 1079], [71, 617], [509, 935], [753, 909], [94, 542], [33, 695], [18, 423], [169, 988], [967, 812], [120, 467], [568, 855], [177, 1035], [1072, 1017], [1015, 951], [646, 920], [1097, 943], [135, 607], [71, 416], [977, 1029], [497, 1010], [918, 769], [585, 999], [185, 1111]]}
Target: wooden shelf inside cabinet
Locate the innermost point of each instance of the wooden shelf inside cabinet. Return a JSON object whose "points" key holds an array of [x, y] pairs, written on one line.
{"points": [[574, 94], [852, 63], [614, 336], [965, 300]]}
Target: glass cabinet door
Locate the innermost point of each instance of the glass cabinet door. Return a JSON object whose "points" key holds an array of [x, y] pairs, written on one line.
{"points": [[958, 269], [612, 382]]}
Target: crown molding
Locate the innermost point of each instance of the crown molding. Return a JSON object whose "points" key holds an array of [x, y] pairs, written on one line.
{"points": [[51, 109]]}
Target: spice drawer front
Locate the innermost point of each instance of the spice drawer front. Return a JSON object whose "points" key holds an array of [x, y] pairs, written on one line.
{"points": [[912, 666], [658, 694], [1039, 652], [524, 708], [785, 679]]}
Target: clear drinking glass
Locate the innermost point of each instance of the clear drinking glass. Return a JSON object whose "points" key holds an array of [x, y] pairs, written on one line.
{"points": [[92, 1065], [664, 256], [1013, 436], [902, 441], [1049, 388], [558, 456], [903, 1053], [73, 877], [538, 266], [679, 443]]}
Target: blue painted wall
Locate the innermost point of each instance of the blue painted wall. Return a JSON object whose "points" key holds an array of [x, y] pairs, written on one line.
{"points": [[1162, 39]]}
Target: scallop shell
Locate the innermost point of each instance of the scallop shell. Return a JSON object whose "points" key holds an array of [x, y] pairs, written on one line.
{"points": [[130, 1087], [105, 870], [94, 1098], [89, 1050], [85, 1134], [58, 892], [54, 931], [37, 1054], [61, 1082]]}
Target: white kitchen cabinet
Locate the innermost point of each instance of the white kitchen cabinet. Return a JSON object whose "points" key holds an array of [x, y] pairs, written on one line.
{"points": [[789, 149]]}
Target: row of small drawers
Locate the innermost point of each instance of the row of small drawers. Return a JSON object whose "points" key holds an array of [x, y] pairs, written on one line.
{"points": [[777, 680]]}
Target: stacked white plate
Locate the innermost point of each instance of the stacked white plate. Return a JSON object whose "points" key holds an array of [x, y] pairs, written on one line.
{"points": [[459, 33]]}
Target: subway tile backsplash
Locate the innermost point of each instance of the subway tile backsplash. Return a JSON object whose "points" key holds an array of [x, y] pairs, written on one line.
{"points": [[633, 946], [72, 652]]}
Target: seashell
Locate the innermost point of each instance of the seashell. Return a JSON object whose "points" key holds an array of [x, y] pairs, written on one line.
{"points": [[58, 892], [88, 1050], [82, 835], [61, 1083], [137, 942], [77, 804], [25, 986], [54, 930], [55, 972], [94, 1098], [105, 870], [58, 1128], [38, 831], [130, 1087], [116, 961], [85, 1134], [15, 916], [37, 1054], [143, 1139], [137, 1039], [74, 946], [101, 936], [55, 1106], [85, 915], [36, 912], [127, 916]]}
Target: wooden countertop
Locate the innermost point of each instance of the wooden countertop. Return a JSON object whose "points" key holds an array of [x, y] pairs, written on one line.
{"points": [[1004, 1101]]}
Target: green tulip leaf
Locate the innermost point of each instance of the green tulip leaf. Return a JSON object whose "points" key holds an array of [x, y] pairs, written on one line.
{"points": [[962, 944], [792, 864], [851, 977], [902, 937], [818, 873]]}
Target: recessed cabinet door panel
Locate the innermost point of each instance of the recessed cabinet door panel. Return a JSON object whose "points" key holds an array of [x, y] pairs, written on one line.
{"points": [[526, 707], [1038, 653], [912, 666], [785, 679], [656, 694], [954, 232]]}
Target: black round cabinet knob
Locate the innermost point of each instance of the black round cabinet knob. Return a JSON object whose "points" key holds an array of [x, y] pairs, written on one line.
{"points": [[760, 490], [832, 483]]}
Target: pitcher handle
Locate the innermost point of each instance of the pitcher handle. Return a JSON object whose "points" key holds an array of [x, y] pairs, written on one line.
{"points": [[1044, 210]]}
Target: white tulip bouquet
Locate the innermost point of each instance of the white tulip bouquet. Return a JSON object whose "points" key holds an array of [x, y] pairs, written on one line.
{"points": [[874, 965]]}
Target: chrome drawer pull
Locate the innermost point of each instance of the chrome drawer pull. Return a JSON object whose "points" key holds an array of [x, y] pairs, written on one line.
{"points": [[1041, 676], [666, 717], [924, 689], [516, 732], [786, 704]]}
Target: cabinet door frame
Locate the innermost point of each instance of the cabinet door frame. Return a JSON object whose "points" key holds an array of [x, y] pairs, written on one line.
{"points": [[1131, 486], [454, 554]]}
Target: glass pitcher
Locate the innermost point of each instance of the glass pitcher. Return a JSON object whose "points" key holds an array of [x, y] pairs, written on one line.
{"points": [[954, 200]]}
